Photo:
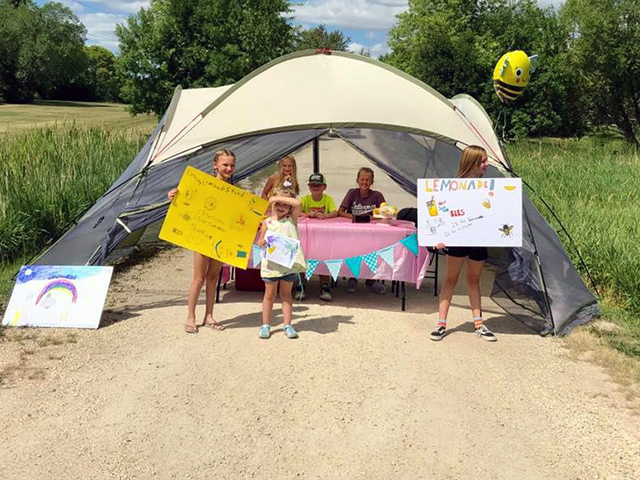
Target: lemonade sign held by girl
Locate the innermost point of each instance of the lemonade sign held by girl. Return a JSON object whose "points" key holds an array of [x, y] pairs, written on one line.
{"points": [[470, 212]]}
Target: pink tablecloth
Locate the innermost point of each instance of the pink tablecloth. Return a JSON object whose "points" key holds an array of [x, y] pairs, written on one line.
{"points": [[338, 238]]}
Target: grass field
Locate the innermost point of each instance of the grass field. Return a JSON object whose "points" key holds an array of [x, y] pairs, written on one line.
{"points": [[17, 119], [593, 185], [56, 159]]}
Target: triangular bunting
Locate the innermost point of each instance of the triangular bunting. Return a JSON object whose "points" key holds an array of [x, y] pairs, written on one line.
{"points": [[354, 265], [387, 255], [334, 267], [311, 267], [371, 260], [411, 242], [257, 255]]}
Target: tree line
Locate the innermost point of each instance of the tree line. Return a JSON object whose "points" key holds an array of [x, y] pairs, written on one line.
{"points": [[588, 76]]}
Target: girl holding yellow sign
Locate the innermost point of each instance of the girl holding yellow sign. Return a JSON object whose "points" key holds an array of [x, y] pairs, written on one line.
{"points": [[206, 270]]}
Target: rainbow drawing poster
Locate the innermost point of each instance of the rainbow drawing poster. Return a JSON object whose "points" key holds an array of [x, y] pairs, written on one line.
{"points": [[58, 296], [470, 212]]}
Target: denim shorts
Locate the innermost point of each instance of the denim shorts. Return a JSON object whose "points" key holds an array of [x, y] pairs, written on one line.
{"points": [[290, 277], [477, 254]]}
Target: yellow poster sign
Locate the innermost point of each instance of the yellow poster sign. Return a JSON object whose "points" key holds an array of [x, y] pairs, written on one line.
{"points": [[213, 218]]}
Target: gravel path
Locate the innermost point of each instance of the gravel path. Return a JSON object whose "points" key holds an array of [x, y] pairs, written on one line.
{"points": [[362, 393]]}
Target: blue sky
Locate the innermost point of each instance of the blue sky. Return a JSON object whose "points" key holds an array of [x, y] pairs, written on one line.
{"points": [[366, 22]]}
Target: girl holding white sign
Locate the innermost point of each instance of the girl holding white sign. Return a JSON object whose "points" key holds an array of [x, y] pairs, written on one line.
{"points": [[279, 232], [473, 164], [206, 270]]}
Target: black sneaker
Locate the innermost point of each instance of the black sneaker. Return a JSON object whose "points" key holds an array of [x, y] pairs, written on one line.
{"points": [[438, 333], [485, 334]]}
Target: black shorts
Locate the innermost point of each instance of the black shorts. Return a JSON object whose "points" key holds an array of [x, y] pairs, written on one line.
{"points": [[477, 254]]}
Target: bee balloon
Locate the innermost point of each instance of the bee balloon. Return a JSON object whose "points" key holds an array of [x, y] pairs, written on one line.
{"points": [[512, 74]]}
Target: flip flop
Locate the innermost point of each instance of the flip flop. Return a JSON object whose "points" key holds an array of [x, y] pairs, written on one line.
{"points": [[190, 328], [214, 325]]}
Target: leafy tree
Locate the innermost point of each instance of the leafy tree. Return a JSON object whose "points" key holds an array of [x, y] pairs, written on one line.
{"points": [[454, 45], [41, 48], [320, 37], [101, 76], [606, 51], [197, 43]]}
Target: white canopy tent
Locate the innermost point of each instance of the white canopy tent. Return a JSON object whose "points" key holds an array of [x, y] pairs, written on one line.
{"points": [[404, 127]]}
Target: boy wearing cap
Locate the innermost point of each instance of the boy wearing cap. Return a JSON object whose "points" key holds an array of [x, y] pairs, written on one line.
{"points": [[319, 205]]}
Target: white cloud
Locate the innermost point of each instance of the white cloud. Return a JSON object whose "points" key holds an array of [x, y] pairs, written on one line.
{"points": [[375, 50], [356, 14], [379, 49], [127, 6], [101, 28], [546, 3], [75, 7]]}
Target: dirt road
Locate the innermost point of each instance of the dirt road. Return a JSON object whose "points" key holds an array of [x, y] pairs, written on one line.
{"points": [[362, 393]]}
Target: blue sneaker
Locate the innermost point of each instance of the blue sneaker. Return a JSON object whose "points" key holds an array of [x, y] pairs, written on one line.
{"points": [[265, 331], [290, 332]]}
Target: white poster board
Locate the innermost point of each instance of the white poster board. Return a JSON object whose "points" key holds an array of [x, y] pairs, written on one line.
{"points": [[58, 296], [471, 212], [280, 249]]}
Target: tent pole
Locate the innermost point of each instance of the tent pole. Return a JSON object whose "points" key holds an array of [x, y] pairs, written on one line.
{"points": [[316, 155]]}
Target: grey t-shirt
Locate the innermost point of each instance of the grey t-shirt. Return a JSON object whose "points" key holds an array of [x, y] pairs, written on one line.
{"points": [[355, 204]]}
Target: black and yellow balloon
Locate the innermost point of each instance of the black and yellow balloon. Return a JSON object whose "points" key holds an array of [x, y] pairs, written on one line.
{"points": [[512, 74]]}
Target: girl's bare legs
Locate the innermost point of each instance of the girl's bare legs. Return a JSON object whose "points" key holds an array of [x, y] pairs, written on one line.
{"points": [[213, 274], [270, 292], [454, 265], [287, 301], [200, 264], [474, 270]]}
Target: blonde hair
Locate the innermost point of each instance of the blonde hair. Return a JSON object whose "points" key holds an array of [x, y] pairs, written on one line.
{"points": [[365, 170], [472, 157], [293, 178], [222, 153], [284, 192]]}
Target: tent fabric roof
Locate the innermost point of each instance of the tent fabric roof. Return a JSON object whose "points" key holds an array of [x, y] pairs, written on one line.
{"points": [[308, 90]]}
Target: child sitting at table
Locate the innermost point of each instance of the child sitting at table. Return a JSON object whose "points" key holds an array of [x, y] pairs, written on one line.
{"points": [[362, 201], [285, 177], [319, 205]]}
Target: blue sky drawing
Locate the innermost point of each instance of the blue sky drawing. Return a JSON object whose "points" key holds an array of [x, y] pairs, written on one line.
{"points": [[30, 273]]}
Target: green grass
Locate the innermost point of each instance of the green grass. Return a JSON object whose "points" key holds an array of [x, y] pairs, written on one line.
{"points": [[593, 185], [18, 119], [50, 175], [56, 159]]}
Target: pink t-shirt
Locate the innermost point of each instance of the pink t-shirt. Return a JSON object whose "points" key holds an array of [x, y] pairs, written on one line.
{"points": [[355, 204]]}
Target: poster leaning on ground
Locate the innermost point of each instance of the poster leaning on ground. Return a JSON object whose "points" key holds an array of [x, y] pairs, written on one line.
{"points": [[58, 296], [472, 212]]}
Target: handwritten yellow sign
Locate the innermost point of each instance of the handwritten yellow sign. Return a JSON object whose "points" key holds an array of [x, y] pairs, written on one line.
{"points": [[213, 218]]}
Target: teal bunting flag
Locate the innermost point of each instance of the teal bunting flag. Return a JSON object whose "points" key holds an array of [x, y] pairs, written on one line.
{"points": [[257, 255], [311, 267], [354, 265], [387, 255], [371, 260], [334, 267], [411, 242]]}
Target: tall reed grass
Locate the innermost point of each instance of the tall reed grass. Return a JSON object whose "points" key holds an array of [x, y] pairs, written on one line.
{"points": [[49, 176], [593, 185]]}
